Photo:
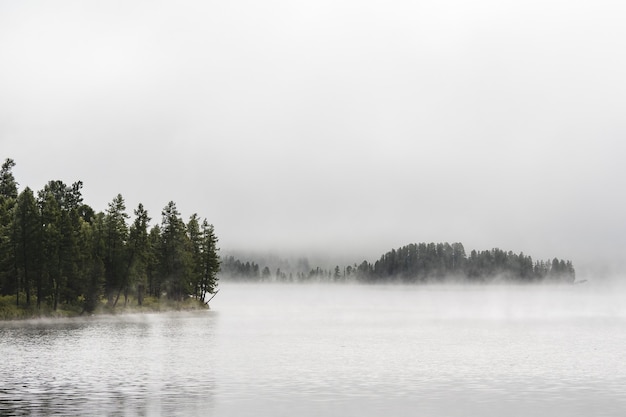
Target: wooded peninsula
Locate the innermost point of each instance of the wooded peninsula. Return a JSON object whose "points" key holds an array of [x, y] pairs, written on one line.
{"points": [[60, 257]]}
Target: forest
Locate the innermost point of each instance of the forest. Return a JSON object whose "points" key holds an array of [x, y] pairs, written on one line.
{"points": [[57, 252], [416, 263]]}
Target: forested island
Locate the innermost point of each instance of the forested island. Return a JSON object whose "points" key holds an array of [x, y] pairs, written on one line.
{"points": [[414, 263], [59, 256]]}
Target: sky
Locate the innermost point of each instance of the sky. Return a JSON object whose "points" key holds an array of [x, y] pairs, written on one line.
{"points": [[337, 128]]}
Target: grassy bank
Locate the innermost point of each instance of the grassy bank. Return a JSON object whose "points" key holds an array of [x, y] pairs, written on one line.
{"points": [[10, 311]]}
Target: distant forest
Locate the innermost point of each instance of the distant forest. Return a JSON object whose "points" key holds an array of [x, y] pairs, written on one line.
{"points": [[417, 263], [57, 251]]}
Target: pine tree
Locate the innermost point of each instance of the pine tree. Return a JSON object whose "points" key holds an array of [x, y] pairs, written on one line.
{"points": [[115, 253], [195, 240], [27, 243], [139, 247], [8, 194], [175, 254], [210, 260], [92, 240]]}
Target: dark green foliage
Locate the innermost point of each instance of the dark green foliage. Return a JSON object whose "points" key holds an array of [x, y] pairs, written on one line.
{"points": [[26, 225], [438, 262], [92, 263], [9, 281], [139, 248], [421, 263], [187, 254], [115, 249], [61, 222], [8, 185], [209, 259], [56, 250], [175, 256], [155, 279], [195, 246]]}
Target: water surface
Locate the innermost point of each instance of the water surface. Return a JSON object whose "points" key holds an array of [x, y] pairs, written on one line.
{"points": [[313, 350]]}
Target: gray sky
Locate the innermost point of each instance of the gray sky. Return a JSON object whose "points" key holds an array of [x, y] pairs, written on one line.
{"points": [[345, 127]]}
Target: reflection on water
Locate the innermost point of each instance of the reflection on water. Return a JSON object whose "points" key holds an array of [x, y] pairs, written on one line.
{"points": [[131, 365], [330, 350]]}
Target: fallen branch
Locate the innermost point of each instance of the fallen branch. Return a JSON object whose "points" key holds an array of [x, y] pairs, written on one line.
{"points": [[214, 294]]}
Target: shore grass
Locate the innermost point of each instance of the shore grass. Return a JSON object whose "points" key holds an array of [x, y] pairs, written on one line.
{"points": [[9, 310]]}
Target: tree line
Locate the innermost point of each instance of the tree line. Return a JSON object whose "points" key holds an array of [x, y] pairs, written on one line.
{"points": [[419, 263], [428, 262], [56, 250], [234, 269]]}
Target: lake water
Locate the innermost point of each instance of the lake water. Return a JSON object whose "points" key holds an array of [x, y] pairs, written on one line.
{"points": [[331, 350]]}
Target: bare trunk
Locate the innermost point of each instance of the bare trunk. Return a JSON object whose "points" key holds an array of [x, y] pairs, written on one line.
{"points": [[56, 296], [140, 290], [39, 290]]}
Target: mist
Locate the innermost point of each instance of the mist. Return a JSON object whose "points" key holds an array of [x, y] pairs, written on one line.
{"points": [[335, 128], [316, 137]]}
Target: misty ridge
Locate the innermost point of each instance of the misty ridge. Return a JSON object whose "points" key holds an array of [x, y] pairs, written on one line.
{"points": [[411, 264]]}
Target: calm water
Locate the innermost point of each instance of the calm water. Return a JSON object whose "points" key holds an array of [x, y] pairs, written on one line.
{"points": [[331, 350]]}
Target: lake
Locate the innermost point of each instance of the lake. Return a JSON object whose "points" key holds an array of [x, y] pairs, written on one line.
{"points": [[331, 350]]}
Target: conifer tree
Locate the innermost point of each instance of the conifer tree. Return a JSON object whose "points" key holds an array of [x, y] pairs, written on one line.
{"points": [[195, 246], [115, 253], [26, 233], [175, 254], [139, 247], [210, 260], [8, 196]]}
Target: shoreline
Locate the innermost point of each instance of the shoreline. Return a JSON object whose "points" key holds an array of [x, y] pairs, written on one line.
{"points": [[9, 311]]}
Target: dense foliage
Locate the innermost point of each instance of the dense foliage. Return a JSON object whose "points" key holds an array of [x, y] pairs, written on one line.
{"points": [[443, 261], [417, 263], [54, 249]]}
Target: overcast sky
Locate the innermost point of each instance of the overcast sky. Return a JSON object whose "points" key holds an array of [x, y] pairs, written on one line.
{"points": [[343, 127]]}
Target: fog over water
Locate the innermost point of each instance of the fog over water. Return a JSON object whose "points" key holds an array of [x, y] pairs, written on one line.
{"points": [[332, 128], [310, 350]]}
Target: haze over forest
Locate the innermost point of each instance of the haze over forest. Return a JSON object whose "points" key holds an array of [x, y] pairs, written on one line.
{"points": [[333, 129]]}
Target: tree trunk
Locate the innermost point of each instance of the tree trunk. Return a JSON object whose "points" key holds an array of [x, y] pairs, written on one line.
{"points": [[140, 290], [26, 288], [38, 283], [55, 296]]}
